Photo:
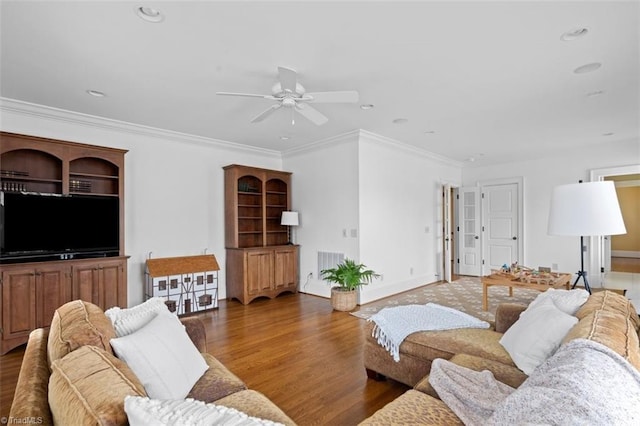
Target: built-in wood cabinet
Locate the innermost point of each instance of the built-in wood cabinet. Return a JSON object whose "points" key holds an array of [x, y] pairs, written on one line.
{"points": [[32, 291], [101, 282], [261, 272], [259, 260]]}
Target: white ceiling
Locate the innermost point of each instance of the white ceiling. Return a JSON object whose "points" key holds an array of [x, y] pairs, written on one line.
{"points": [[493, 80]]}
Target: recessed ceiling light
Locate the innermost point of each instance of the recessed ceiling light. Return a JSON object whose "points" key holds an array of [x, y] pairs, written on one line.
{"points": [[595, 93], [149, 14], [96, 93], [284, 138], [587, 68], [366, 106], [574, 34], [470, 159], [400, 120]]}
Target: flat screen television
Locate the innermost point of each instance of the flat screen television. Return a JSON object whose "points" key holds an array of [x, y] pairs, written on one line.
{"points": [[37, 227]]}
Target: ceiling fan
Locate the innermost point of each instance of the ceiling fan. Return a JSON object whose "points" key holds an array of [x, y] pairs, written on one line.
{"points": [[290, 94]]}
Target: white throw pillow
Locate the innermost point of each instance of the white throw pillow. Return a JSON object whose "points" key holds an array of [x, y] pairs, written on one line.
{"points": [[536, 335], [568, 301], [126, 321], [143, 411], [163, 357]]}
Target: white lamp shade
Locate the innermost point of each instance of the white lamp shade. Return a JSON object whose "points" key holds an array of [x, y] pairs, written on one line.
{"points": [[289, 219], [585, 209]]}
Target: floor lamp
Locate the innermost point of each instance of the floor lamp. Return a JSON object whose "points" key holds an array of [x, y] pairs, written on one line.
{"points": [[585, 209], [290, 219]]}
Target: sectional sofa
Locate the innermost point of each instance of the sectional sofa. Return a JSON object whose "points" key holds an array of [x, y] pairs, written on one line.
{"points": [[70, 375], [592, 378]]}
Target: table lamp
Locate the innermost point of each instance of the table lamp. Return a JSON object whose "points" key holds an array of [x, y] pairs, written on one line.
{"points": [[289, 219], [585, 209]]}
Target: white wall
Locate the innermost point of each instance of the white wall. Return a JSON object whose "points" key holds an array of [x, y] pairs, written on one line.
{"points": [[540, 177], [325, 193], [174, 184], [381, 189], [400, 214]]}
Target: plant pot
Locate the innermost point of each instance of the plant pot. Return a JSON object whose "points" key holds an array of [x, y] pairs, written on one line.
{"points": [[343, 300]]}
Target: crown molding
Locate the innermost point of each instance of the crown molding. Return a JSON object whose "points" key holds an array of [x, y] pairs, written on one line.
{"points": [[65, 116], [322, 143], [383, 140]]}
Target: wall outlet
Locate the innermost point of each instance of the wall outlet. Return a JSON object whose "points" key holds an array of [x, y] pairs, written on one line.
{"points": [[554, 266], [344, 233], [411, 271], [310, 275]]}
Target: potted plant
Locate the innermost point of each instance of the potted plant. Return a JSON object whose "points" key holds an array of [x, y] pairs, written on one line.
{"points": [[349, 275]]}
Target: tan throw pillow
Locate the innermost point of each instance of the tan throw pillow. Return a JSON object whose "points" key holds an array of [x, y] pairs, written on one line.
{"points": [[76, 324], [89, 386]]}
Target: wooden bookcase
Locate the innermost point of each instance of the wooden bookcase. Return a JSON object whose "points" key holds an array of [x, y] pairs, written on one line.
{"points": [[259, 260], [32, 291]]}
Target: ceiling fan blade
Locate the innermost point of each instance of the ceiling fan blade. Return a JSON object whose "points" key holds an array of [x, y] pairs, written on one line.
{"points": [[312, 114], [247, 95], [345, 96], [264, 114], [288, 79]]}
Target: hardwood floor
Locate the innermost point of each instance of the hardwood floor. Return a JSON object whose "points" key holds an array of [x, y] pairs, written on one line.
{"points": [[625, 264], [294, 349]]}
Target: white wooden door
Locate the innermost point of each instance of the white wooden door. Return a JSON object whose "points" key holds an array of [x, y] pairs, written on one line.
{"points": [[501, 227], [446, 232], [469, 232]]}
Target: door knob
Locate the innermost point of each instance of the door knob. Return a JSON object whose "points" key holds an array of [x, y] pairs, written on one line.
{"points": [[476, 237], [514, 238]]}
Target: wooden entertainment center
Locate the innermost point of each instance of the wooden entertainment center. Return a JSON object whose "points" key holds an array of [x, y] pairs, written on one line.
{"points": [[260, 262], [33, 290]]}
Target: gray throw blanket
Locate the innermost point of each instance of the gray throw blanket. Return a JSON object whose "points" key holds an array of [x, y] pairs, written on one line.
{"points": [[583, 383], [393, 325]]}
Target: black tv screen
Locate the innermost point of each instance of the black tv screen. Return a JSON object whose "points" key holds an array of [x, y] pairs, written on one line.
{"points": [[40, 225]]}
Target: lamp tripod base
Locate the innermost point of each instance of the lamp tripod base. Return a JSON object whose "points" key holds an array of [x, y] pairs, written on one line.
{"points": [[583, 275]]}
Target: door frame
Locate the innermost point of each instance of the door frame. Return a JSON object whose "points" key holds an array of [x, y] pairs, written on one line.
{"points": [[519, 182], [447, 215], [596, 250]]}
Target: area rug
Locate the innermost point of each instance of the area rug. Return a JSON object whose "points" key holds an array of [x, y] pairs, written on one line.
{"points": [[464, 294]]}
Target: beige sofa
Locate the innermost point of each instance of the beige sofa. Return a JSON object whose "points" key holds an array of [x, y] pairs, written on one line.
{"points": [[607, 318], [69, 374]]}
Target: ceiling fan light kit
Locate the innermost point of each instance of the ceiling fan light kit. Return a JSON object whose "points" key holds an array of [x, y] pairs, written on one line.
{"points": [[289, 93]]}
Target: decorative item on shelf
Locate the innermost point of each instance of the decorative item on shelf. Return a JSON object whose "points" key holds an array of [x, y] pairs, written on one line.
{"points": [[246, 187], [77, 185], [13, 186], [585, 209], [290, 219], [13, 173], [349, 276]]}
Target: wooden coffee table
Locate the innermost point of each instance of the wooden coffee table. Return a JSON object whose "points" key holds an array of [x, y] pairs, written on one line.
{"points": [[557, 280]]}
